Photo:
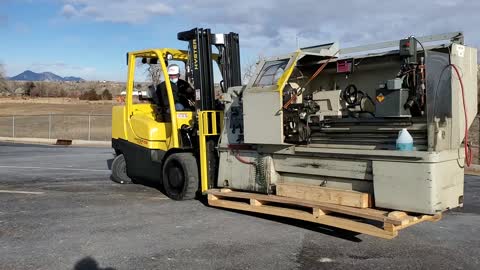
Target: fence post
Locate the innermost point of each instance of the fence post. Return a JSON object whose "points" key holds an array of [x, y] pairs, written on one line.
{"points": [[89, 126], [13, 126], [49, 125], [64, 128]]}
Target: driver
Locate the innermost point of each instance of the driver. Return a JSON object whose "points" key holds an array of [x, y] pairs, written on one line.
{"points": [[183, 93]]}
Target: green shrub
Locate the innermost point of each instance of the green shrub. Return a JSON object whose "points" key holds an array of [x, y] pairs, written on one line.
{"points": [[90, 95], [29, 86], [106, 95]]}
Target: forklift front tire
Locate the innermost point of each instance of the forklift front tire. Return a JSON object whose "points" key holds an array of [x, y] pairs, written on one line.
{"points": [[180, 176], [119, 170]]}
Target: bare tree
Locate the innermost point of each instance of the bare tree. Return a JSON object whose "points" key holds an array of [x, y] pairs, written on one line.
{"points": [[3, 81], [155, 74], [248, 69], [29, 86]]}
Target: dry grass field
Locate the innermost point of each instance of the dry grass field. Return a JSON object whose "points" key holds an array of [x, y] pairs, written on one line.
{"points": [[60, 118], [59, 89], [35, 106]]}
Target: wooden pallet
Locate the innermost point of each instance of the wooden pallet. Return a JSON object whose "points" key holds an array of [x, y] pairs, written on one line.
{"points": [[339, 216]]}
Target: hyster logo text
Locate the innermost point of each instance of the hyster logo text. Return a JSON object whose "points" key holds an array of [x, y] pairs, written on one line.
{"points": [[195, 54]]}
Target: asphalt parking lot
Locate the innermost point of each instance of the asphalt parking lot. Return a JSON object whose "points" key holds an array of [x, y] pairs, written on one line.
{"points": [[59, 210]]}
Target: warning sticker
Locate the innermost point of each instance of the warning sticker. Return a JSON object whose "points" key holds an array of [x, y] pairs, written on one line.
{"points": [[197, 94], [380, 98]]}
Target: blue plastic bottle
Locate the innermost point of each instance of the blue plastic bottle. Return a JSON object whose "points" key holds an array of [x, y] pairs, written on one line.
{"points": [[404, 140]]}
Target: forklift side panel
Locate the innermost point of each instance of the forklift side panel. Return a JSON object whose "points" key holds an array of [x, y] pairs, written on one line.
{"points": [[142, 163]]}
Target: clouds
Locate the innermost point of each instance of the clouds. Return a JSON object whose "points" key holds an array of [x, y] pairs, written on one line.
{"points": [[121, 11], [73, 29], [352, 22], [269, 24], [69, 11]]}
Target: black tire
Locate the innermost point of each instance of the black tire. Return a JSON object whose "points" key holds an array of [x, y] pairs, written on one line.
{"points": [[180, 176], [119, 170]]}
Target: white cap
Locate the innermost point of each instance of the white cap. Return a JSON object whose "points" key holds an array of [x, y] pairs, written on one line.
{"points": [[173, 69]]}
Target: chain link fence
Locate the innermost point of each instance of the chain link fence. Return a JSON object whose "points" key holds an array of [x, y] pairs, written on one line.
{"points": [[97, 127], [93, 127]]}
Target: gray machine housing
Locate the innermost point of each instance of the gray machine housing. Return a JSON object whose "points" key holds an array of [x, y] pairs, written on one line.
{"points": [[390, 100], [344, 150]]}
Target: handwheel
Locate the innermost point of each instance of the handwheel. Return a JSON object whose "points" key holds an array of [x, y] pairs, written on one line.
{"points": [[180, 176], [350, 94], [119, 170]]}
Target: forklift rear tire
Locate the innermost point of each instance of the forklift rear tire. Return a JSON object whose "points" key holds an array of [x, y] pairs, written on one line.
{"points": [[180, 176], [119, 170]]}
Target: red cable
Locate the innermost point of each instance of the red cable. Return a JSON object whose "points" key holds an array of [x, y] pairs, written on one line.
{"points": [[235, 149], [468, 151], [239, 158]]}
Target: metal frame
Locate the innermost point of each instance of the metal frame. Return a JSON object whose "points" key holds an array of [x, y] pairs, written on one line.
{"points": [[208, 126], [453, 37], [161, 55]]}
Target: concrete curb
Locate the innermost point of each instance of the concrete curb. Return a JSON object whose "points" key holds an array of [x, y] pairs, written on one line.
{"points": [[93, 143], [54, 141]]}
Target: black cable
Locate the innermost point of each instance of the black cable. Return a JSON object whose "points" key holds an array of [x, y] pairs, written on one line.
{"points": [[424, 69], [438, 84], [424, 50]]}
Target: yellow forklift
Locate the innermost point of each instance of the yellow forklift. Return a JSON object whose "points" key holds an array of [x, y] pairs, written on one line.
{"points": [[167, 145]]}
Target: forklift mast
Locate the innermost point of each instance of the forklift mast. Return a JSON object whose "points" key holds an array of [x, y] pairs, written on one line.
{"points": [[200, 66], [229, 53], [200, 70]]}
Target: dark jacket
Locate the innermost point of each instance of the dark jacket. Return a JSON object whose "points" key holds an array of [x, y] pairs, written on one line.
{"points": [[182, 92]]}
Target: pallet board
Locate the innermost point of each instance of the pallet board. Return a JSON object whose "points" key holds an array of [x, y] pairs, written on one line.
{"points": [[321, 213], [323, 194]]}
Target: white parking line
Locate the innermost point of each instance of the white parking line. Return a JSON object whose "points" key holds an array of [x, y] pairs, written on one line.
{"points": [[22, 192], [53, 168]]}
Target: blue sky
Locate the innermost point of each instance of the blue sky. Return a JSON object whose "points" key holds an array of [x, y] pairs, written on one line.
{"points": [[39, 38], [89, 38]]}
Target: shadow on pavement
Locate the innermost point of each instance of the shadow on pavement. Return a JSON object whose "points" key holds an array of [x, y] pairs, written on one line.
{"points": [[89, 263], [327, 230], [324, 229], [151, 184]]}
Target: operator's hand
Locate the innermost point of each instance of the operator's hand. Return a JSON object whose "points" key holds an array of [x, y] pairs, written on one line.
{"points": [[191, 103]]}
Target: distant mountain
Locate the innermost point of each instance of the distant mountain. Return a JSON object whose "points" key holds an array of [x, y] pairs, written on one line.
{"points": [[29, 75], [72, 79]]}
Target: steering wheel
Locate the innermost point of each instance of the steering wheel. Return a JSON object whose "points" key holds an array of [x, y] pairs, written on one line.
{"points": [[350, 94]]}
